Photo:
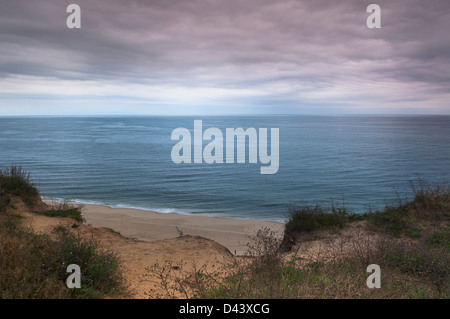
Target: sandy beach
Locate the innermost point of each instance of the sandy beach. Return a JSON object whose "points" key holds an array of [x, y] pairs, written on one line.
{"points": [[151, 226]]}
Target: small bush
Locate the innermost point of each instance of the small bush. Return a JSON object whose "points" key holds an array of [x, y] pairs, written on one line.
{"points": [[15, 181], [66, 210], [431, 203], [34, 266], [309, 218], [266, 262], [100, 268]]}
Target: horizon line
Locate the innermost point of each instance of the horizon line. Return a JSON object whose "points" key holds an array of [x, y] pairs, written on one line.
{"points": [[218, 115]]}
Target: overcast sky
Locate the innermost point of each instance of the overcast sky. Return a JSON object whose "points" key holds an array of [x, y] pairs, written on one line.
{"points": [[224, 57]]}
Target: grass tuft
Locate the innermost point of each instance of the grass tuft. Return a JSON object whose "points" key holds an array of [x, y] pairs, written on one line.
{"points": [[15, 181], [66, 209]]}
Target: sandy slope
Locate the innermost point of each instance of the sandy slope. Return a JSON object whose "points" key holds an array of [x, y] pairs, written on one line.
{"points": [[148, 238], [149, 226]]}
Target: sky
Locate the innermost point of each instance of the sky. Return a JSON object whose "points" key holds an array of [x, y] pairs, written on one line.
{"points": [[189, 57]]}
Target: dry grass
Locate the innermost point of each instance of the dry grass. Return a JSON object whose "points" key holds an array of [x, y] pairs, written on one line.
{"points": [[409, 242]]}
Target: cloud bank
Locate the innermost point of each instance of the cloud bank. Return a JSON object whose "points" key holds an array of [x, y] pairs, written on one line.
{"points": [[224, 57]]}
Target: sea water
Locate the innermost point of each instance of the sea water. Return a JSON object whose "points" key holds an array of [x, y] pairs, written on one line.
{"points": [[360, 162]]}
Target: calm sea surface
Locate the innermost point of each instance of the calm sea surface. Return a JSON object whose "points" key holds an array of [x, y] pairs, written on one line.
{"points": [[361, 162]]}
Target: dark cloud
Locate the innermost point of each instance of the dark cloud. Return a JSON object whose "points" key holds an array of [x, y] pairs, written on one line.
{"points": [[303, 53]]}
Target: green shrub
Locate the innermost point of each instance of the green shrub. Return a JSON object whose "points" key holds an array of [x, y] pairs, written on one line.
{"points": [[430, 203], [100, 268], [309, 218], [66, 210], [15, 181], [34, 266]]}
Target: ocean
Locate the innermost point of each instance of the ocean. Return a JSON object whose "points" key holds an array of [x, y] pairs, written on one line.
{"points": [[359, 162]]}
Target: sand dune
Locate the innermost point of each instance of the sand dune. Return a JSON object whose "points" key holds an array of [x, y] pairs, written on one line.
{"points": [[147, 238]]}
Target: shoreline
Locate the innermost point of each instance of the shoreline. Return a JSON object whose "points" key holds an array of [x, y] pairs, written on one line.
{"points": [[161, 211], [232, 233]]}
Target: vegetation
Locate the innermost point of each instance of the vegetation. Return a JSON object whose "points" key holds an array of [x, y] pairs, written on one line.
{"points": [[15, 181], [66, 209], [306, 218], [35, 265], [430, 206], [111, 230], [409, 242]]}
